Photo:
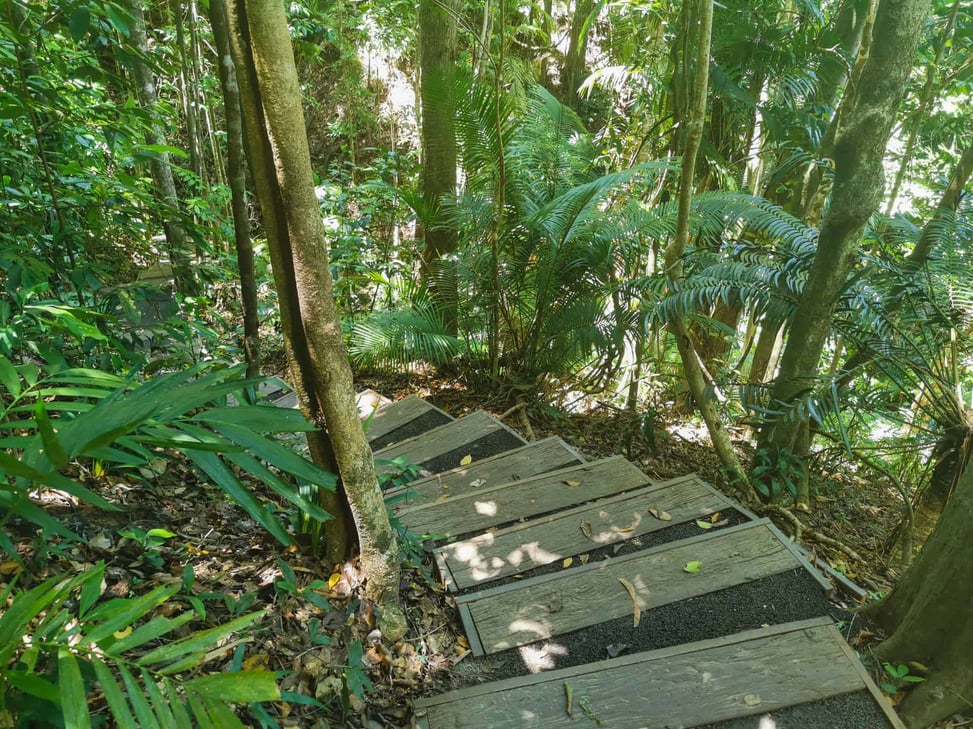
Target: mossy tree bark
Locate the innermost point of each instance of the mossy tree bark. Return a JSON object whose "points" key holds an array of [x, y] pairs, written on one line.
{"points": [[573, 71], [928, 616], [278, 146], [437, 67], [858, 187]]}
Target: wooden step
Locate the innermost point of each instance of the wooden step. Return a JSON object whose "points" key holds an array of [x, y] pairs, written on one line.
{"points": [[532, 459], [747, 674], [450, 516], [477, 435], [519, 613], [522, 547], [401, 420]]}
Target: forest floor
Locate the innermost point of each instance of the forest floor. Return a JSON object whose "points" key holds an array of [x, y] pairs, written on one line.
{"points": [[239, 568]]}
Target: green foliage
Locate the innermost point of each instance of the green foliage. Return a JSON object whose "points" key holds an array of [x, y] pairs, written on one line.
{"points": [[775, 471], [60, 641], [151, 542], [54, 422], [897, 677]]}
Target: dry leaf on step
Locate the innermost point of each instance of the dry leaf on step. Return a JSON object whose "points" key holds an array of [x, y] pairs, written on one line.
{"points": [[573, 483], [466, 460], [567, 562], [637, 612], [661, 515], [586, 528]]}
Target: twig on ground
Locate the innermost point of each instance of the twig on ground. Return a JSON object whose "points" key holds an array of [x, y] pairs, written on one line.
{"points": [[800, 529]]}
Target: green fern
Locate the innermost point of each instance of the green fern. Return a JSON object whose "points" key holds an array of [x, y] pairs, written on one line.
{"points": [[59, 641]]}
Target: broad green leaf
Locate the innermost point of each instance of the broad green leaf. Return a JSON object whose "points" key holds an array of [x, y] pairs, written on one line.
{"points": [[9, 377], [222, 715], [141, 707], [201, 640], [124, 613], [178, 705], [239, 688], [258, 418], [155, 150], [221, 475], [91, 588], [160, 704], [155, 628], [279, 456], [285, 490], [53, 448], [15, 467], [25, 608], [31, 683], [79, 22], [74, 703], [113, 695], [200, 712]]}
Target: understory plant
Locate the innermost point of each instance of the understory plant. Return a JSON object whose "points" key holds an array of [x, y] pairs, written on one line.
{"points": [[61, 430], [60, 640]]}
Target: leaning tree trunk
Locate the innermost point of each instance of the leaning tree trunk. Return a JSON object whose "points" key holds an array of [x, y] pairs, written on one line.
{"points": [[695, 375], [437, 65], [857, 193], [281, 162], [237, 174], [160, 165], [928, 616]]}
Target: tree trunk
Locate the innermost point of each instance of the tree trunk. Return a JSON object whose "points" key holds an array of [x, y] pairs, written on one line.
{"points": [[573, 72], [437, 63], [928, 616], [237, 171], [695, 375], [857, 193], [172, 226], [274, 121]]}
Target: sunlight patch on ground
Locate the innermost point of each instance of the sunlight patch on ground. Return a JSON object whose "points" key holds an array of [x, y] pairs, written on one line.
{"points": [[542, 657], [486, 508]]}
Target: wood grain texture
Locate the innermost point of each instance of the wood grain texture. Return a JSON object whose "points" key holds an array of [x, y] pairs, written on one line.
{"points": [[748, 674], [446, 438], [515, 500], [541, 456], [523, 547], [393, 416], [543, 607]]}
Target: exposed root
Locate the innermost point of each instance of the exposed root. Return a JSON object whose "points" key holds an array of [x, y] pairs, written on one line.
{"points": [[802, 532]]}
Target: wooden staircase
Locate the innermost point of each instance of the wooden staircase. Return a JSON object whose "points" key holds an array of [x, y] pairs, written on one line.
{"points": [[553, 560]]}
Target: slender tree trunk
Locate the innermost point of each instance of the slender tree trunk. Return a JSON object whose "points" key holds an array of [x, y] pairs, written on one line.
{"points": [[274, 121], [160, 165], [809, 197], [857, 193], [695, 375], [238, 187], [573, 71], [928, 616], [437, 63]]}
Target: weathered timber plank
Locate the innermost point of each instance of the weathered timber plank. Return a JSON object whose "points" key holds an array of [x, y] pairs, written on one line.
{"points": [[533, 459], [543, 607], [535, 543], [747, 674], [454, 436], [506, 503], [387, 419], [282, 396]]}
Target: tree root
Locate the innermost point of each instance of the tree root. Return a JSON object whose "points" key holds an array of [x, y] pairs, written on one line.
{"points": [[802, 531]]}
